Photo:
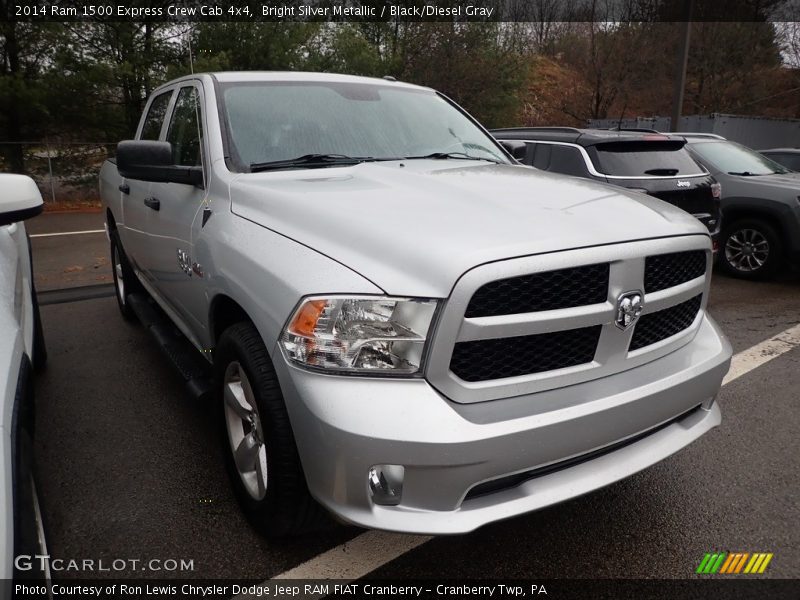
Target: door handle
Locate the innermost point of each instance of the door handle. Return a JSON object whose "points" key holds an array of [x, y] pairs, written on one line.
{"points": [[124, 188], [153, 203]]}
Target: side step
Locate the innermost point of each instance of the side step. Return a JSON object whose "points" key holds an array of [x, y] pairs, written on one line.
{"points": [[194, 369]]}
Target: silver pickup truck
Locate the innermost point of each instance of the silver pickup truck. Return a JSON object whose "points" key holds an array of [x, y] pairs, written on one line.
{"points": [[397, 322]]}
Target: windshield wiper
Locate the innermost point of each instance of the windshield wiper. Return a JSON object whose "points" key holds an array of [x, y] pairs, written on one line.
{"points": [[745, 173], [661, 172], [309, 161], [458, 155]]}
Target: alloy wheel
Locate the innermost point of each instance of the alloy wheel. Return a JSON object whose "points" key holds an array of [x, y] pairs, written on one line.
{"points": [[747, 250], [245, 433], [120, 279]]}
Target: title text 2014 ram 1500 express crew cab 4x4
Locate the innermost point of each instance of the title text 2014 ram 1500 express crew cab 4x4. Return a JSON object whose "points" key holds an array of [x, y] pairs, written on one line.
{"points": [[406, 327]]}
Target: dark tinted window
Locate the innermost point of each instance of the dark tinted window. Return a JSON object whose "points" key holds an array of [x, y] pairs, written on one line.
{"points": [[790, 161], [665, 158], [185, 131], [541, 156], [530, 150], [567, 160], [155, 116]]}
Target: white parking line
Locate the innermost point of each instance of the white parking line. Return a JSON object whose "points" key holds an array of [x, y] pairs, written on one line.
{"points": [[373, 549], [356, 558], [762, 353], [351, 560], [38, 235]]}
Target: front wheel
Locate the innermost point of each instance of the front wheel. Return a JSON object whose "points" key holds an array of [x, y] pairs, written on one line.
{"points": [[259, 445], [750, 249], [125, 281]]}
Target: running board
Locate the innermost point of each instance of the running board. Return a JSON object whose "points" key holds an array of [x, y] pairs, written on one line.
{"points": [[194, 369]]}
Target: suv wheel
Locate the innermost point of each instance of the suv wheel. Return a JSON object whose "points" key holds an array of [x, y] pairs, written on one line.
{"points": [[750, 249], [258, 442], [125, 281]]}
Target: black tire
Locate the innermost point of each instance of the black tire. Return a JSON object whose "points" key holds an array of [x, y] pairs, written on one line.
{"points": [[39, 359], [128, 284], [39, 346], [765, 248], [287, 507], [29, 526]]}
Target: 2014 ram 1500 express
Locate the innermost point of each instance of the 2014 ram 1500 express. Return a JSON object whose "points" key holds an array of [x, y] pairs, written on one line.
{"points": [[407, 327]]}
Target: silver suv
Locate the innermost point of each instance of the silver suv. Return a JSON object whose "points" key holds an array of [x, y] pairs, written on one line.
{"points": [[397, 322]]}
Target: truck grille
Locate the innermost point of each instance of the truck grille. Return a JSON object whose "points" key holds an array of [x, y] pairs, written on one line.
{"points": [[536, 323], [510, 357], [663, 271], [550, 290], [665, 323]]}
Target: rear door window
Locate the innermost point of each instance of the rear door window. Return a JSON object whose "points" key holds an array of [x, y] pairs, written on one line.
{"points": [[541, 156], [567, 160], [645, 158]]}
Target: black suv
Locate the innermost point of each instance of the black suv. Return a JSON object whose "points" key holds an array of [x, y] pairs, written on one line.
{"points": [[653, 163]]}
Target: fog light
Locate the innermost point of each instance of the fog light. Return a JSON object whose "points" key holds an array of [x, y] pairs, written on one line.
{"points": [[386, 484]]}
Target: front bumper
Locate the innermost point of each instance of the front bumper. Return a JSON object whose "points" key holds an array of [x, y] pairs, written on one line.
{"points": [[345, 425]]}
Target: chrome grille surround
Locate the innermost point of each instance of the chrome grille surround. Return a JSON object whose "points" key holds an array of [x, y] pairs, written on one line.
{"points": [[626, 273]]}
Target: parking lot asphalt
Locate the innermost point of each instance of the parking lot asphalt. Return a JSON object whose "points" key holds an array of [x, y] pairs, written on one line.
{"points": [[66, 261], [130, 467]]}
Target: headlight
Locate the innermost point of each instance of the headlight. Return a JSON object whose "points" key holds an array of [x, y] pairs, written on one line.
{"points": [[360, 334]]}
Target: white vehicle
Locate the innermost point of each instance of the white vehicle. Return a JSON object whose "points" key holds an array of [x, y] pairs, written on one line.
{"points": [[21, 351]]}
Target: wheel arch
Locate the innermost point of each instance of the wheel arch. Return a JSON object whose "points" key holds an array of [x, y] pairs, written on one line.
{"points": [[110, 220], [747, 209], [223, 312]]}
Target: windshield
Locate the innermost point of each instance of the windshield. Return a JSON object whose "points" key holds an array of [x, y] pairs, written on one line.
{"points": [[638, 158], [735, 159], [277, 121]]}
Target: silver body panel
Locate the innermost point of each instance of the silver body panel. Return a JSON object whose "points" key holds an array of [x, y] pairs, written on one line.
{"points": [[447, 217], [446, 227]]}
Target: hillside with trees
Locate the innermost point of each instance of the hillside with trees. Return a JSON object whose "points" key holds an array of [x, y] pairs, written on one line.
{"points": [[88, 82]]}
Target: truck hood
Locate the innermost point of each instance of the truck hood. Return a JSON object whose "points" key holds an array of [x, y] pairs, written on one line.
{"points": [[414, 227]]}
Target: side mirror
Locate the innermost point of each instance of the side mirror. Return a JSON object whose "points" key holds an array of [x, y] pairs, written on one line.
{"points": [[152, 161], [516, 148], [20, 199]]}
